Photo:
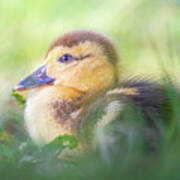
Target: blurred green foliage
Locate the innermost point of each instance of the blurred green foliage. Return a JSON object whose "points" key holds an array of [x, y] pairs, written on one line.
{"points": [[20, 99], [146, 34]]}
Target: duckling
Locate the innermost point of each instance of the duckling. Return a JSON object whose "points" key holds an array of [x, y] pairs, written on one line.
{"points": [[79, 76]]}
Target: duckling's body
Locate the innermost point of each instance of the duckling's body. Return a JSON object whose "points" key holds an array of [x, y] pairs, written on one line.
{"points": [[80, 75]]}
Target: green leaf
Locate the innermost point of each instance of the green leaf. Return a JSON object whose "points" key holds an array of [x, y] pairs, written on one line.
{"points": [[54, 148], [20, 99], [64, 141]]}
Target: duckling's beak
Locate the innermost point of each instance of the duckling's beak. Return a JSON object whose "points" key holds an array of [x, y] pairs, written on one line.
{"points": [[37, 78]]}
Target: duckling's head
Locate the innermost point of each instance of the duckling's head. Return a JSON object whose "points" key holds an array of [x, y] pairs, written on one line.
{"points": [[83, 60]]}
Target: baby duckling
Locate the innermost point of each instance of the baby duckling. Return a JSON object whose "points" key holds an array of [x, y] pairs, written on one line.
{"points": [[80, 74]]}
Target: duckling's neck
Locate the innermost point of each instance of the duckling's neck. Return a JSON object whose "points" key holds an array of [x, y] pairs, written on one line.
{"points": [[52, 111]]}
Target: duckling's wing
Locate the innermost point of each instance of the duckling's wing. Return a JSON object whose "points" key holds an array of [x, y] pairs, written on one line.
{"points": [[147, 96], [136, 108]]}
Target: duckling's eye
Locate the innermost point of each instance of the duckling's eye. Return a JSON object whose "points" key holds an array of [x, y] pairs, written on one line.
{"points": [[65, 58]]}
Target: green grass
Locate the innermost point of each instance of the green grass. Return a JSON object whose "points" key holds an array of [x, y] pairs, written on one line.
{"points": [[146, 34]]}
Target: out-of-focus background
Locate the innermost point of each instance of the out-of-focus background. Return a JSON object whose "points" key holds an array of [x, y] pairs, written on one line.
{"points": [[145, 32], [28, 27]]}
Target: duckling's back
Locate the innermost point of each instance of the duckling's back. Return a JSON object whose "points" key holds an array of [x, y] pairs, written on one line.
{"points": [[134, 106]]}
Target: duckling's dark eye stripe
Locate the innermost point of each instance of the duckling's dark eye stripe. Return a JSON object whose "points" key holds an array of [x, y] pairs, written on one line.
{"points": [[82, 57]]}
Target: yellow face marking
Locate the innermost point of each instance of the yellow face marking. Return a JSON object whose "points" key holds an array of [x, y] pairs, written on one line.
{"points": [[94, 72]]}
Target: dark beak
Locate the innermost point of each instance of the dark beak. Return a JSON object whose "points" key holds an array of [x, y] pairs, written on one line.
{"points": [[37, 78]]}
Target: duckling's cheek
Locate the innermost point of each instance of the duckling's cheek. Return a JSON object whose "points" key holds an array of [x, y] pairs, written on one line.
{"points": [[56, 70], [52, 70]]}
